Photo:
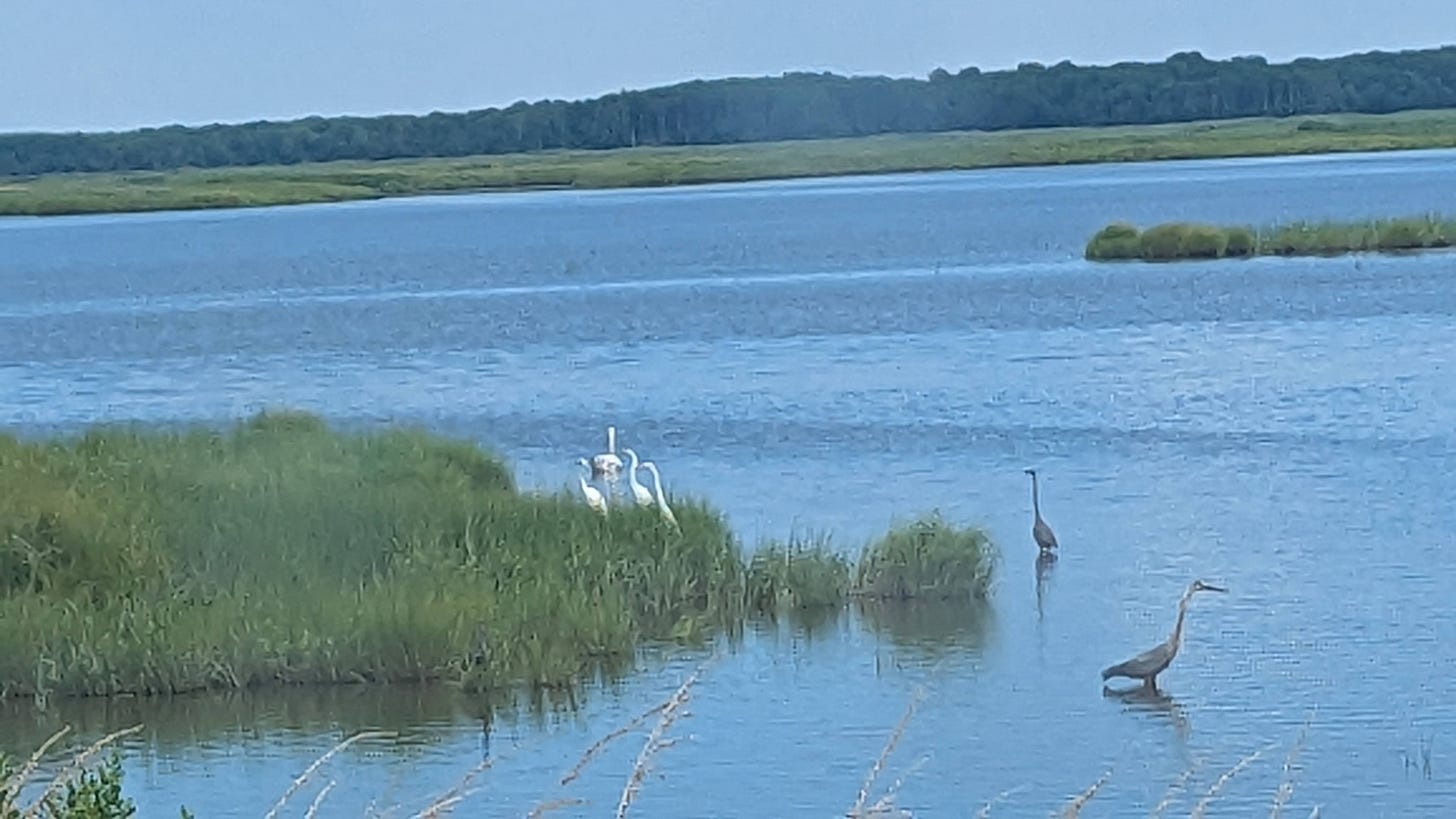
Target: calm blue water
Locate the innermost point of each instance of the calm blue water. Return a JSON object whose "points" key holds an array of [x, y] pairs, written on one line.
{"points": [[831, 356]]}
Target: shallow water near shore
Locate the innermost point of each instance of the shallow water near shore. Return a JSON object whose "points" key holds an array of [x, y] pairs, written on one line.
{"points": [[831, 356]]}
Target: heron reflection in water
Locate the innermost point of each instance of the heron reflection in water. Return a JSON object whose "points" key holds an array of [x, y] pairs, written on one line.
{"points": [[1154, 702], [1149, 664], [1045, 562]]}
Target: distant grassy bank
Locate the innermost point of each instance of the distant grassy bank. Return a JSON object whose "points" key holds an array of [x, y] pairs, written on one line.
{"points": [[644, 167], [1172, 241], [281, 550]]}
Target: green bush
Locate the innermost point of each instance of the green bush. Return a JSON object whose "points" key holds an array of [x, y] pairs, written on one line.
{"points": [[1401, 234], [929, 558], [1163, 242], [797, 574], [1239, 241], [1203, 242], [1118, 240]]}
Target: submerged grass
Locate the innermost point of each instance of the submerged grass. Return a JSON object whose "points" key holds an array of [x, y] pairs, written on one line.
{"points": [[282, 551], [192, 188], [1188, 240]]}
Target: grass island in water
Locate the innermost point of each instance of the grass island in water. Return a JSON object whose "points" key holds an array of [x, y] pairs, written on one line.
{"points": [[282, 551], [1172, 241]]}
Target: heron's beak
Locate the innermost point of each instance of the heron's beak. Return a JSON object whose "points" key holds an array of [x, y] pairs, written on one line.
{"points": [[1214, 588]]}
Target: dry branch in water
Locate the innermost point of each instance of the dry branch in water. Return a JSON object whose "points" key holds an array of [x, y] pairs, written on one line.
{"points": [[597, 746], [1286, 780], [74, 768], [1074, 807], [1174, 788], [894, 740], [319, 800], [317, 763], [655, 743], [1202, 807], [985, 811], [457, 793], [17, 780]]}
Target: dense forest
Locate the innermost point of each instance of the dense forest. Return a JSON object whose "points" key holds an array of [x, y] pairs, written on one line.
{"points": [[1184, 87]]}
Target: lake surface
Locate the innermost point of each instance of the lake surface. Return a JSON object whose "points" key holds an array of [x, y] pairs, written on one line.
{"points": [[831, 356]]}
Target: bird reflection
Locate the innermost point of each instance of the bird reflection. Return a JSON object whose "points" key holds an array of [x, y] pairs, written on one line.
{"points": [[1045, 562], [1153, 701]]}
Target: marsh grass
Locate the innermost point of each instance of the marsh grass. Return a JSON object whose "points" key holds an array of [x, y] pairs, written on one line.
{"points": [[192, 188], [155, 561], [928, 559], [1172, 241], [799, 574], [147, 561]]}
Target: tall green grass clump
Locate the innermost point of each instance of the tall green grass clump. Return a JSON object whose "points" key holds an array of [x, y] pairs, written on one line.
{"points": [[157, 561], [798, 574], [1118, 240], [930, 559]]}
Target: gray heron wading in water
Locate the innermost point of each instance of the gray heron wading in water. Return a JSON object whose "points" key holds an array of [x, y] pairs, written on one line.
{"points": [[1040, 531], [1149, 664]]}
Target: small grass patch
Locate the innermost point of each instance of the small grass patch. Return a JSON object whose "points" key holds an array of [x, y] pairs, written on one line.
{"points": [[928, 558], [799, 574], [1173, 241]]}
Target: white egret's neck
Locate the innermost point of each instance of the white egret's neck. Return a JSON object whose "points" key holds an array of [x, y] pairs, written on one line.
{"points": [[632, 472], [656, 481]]}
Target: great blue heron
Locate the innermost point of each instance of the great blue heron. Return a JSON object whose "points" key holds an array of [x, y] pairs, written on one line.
{"points": [[1149, 664], [607, 465], [1040, 531], [594, 497], [662, 506], [639, 492]]}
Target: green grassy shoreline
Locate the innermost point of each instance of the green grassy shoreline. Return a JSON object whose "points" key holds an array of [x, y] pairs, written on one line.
{"points": [[1174, 241], [282, 551], [256, 186]]}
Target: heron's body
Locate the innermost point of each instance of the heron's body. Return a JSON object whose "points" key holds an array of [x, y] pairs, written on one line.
{"points": [[1149, 664], [662, 507], [640, 493], [1045, 539]]}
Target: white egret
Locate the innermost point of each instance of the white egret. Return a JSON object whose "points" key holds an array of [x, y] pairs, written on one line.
{"points": [[639, 492], [662, 506], [594, 497]]}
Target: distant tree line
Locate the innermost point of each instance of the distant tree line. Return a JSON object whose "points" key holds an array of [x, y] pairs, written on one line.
{"points": [[1184, 87]]}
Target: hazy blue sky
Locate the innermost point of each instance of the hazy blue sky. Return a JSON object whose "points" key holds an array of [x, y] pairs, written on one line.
{"points": [[68, 64]]}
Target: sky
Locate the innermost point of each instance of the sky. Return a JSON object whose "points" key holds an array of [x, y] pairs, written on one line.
{"points": [[116, 64]]}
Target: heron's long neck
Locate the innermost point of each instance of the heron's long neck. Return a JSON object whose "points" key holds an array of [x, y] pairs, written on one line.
{"points": [[1035, 504], [1176, 638], [657, 484]]}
